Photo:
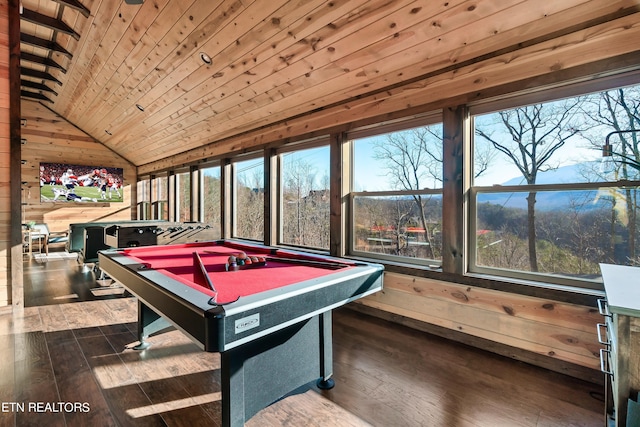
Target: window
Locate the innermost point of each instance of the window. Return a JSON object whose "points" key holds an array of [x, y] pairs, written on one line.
{"points": [[248, 198], [183, 196], [159, 199], [211, 189], [304, 197], [545, 203], [144, 209], [396, 204]]}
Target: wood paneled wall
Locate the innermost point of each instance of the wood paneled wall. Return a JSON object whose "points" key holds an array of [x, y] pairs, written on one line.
{"points": [[557, 334], [5, 149], [49, 138]]}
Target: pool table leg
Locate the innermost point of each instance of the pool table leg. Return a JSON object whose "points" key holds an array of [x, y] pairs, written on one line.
{"points": [[326, 352], [149, 322]]}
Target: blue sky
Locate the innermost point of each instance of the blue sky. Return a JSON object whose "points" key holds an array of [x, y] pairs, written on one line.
{"points": [[369, 173]]}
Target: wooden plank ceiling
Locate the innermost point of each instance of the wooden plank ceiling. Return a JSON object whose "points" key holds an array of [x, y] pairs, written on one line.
{"points": [[137, 77]]}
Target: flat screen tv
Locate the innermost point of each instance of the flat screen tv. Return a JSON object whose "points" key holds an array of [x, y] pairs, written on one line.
{"points": [[64, 183]]}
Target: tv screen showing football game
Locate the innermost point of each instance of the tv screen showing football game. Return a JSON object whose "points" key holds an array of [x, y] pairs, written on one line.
{"points": [[62, 183]]}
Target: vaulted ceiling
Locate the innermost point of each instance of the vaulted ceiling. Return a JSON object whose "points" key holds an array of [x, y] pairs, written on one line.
{"points": [[164, 78]]}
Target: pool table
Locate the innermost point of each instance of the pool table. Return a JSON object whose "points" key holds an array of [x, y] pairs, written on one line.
{"points": [[270, 320]]}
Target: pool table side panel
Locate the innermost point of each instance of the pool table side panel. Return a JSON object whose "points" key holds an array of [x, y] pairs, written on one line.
{"points": [[293, 307], [216, 328], [185, 317]]}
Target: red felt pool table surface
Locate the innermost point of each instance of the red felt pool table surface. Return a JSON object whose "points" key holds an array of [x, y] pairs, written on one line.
{"points": [[177, 262]]}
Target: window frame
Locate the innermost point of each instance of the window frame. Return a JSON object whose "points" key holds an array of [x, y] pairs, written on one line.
{"points": [[342, 241], [176, 177], [234, 195], [308, 144], [544, 94], [395, 259], [380, 129], [159, 207], [201, 190], [553, 279], [143, 204]]}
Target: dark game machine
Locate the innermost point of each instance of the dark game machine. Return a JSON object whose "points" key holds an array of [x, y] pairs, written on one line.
{"points": [[187, 232], [266, 310], [132, 235], [93, 242], [129, 236], [78, 240]]}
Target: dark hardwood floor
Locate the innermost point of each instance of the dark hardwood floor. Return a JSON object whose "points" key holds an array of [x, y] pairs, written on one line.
{"points": [[72, 346]]}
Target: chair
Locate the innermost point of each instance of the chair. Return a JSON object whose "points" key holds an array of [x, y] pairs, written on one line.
{"points": [[45, 237]]}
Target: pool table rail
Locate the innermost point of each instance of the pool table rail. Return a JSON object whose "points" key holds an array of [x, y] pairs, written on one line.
{"points": [[218, 328]]}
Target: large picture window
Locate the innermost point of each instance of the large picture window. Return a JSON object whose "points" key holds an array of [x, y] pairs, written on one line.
{"points": [[160, 197], [304, 197], [142, 195], [396, 204], [248, 197], [211, 194], [560, 190], [183, 196]]}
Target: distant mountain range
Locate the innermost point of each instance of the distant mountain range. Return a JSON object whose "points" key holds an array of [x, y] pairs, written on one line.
{"points": [[578, 172], [552, 200]]}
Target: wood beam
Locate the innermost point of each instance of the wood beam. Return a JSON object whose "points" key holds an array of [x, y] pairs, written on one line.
{"points": [[38, 86], [41, 60], [49, 22], [195, 207], [38, 75], [34, 95], [44, 44], [13, 278], [339, 188], [76, 5], [270, 197], [227, 198], [452, 190]]}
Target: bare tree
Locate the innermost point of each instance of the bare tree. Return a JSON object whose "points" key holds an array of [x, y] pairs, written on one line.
{"points": [[305, 205], [184, 197], [617, 112], [250, 202], [212, 201], [529, 137], [413, 159]]}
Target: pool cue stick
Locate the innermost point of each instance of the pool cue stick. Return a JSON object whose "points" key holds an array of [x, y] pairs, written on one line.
{"points": [[222, 253], [204, 272], [326, 264], [214, 299]]}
